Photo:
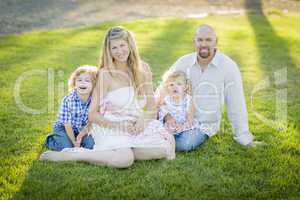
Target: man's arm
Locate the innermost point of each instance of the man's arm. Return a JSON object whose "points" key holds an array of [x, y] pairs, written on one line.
{"points": [[236, 105]]}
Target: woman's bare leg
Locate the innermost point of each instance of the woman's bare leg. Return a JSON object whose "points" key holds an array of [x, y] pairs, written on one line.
{"points": [[149, 153], [158, 152], [119, 158]]}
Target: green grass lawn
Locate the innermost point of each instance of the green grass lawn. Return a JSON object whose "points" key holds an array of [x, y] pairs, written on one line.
{"points": [[220, 169]]}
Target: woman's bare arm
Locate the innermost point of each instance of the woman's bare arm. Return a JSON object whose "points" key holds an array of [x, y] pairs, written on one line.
{"points": [[149, 92], [99, 93]]}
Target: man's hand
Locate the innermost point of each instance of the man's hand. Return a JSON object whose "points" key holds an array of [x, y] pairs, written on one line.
{"points": [[256, 144]]}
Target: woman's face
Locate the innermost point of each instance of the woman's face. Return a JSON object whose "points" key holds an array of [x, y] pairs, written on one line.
{"points": [[119, 50]]}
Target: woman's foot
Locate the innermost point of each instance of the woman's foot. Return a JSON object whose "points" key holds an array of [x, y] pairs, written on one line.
{"points": [[51, 155], [171, 149]]}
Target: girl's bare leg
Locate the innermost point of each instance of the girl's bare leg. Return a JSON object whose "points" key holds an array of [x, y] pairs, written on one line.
{"points": [[119, 158]]}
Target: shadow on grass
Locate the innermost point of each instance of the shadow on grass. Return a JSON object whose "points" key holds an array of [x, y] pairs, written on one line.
{"points": [[168, 46], [274, 57]]}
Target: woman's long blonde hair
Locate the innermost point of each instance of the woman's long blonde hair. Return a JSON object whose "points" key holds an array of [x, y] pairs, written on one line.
{"points": [[134, 61]]}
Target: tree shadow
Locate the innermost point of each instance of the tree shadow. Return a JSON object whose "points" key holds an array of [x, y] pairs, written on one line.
{"points": [[170, 44], [274, 56]]}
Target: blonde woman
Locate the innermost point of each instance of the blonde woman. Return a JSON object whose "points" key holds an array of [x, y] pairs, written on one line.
{"points": [[125, 82]]}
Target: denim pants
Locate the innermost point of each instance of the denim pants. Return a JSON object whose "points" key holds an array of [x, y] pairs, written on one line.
{"points": [[59, 140], [190, 139]]}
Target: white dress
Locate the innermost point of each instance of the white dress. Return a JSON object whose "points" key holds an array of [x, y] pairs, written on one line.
{"points": [[179, 111], [153, 136]]}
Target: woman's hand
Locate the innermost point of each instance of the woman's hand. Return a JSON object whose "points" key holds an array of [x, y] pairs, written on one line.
{"points": [[139, 125], [126, 126]]}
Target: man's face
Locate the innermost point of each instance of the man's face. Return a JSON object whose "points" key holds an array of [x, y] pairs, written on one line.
{"points": [[205, 42]]}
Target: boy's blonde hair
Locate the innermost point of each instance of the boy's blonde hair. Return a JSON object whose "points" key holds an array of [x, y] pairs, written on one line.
{"points": [[173, 75], [92, 70]]}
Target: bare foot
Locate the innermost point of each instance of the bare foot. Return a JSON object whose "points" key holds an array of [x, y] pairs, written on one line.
{"points": [[257, 144], [171, 151], [45, 155], [50, 155], [171, 155]]}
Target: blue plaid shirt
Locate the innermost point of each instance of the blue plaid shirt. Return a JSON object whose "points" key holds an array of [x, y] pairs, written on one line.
{"points": [[73, 110]]}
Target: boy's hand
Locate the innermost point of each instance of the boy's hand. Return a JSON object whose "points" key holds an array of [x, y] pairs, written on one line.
{"points": [[78, 141]]}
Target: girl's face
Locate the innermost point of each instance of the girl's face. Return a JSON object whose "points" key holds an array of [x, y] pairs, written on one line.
{"points": [[176, 87], [119, 50], [84, 84]]}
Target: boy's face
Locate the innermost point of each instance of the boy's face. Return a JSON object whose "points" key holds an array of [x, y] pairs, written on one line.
{"points": [[176, 87], [84, 84]]}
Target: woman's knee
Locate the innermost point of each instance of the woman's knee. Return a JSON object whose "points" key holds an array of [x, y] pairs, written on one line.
{"points": [[149, 153], [123, 158]]}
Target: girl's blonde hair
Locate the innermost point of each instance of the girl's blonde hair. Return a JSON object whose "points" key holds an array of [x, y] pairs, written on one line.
{"points": [[92, 70], [134, 61], [173, 75]]}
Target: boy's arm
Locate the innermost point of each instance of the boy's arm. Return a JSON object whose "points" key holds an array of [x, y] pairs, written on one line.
{"points": [[70, 133], [83, 132], [64, 118]]}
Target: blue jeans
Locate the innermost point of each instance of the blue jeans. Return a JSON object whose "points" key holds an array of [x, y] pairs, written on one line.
{"points": [[60, 140], [190, 139]]}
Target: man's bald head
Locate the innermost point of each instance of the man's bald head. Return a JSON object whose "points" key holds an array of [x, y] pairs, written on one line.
{"points": [[205, 41], [206, 30]]}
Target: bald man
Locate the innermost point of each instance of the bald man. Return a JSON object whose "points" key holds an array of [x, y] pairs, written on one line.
{"points": [[216, 81]]}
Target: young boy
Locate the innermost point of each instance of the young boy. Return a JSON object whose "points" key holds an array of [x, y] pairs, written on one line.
{"points": [[73, 114]]}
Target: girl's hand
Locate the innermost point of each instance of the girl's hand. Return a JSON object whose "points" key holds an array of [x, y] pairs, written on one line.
{"points": [[179, 127], [187, 125], [170, 124]]}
